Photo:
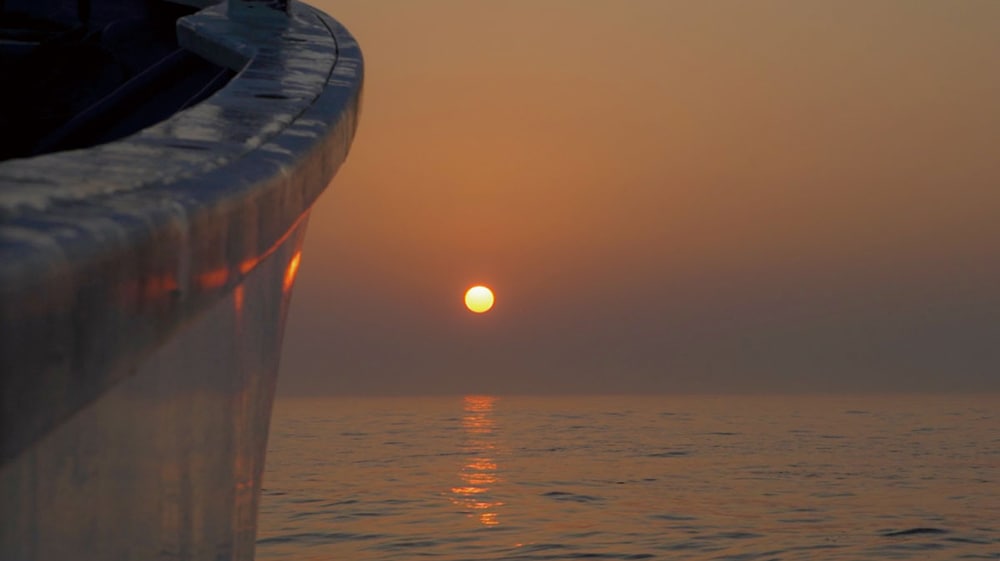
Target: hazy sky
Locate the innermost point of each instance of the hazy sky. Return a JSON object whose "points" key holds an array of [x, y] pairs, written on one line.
{"points": [[665, 196]]}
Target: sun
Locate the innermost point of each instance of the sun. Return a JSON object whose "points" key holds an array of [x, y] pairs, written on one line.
{"points": [[479, 299]]}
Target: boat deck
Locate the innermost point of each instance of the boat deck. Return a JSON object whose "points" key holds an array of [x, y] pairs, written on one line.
{"points": [[79, 84]]}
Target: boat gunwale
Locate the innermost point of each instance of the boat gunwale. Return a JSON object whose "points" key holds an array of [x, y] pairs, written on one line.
{"points": [[101, 259]]}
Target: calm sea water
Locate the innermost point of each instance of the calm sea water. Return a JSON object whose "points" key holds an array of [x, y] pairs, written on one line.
{"points": [[734, 478]]}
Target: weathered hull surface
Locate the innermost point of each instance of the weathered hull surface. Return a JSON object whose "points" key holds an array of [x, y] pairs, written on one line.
{"points": [[167, 463], [143, 289]]}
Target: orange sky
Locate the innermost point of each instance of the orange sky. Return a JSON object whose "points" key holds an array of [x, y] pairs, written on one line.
{"points": [[666, 196]]}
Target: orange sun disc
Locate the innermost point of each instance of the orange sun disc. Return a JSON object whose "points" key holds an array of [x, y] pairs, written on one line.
{"points": [[479, 299]]}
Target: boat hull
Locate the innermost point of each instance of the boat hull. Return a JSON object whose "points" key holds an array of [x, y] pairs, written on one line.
{"points": [[166, 464], [143, 289]]}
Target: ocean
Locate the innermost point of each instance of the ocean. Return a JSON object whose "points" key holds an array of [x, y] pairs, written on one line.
{"points": [[699, 478]]}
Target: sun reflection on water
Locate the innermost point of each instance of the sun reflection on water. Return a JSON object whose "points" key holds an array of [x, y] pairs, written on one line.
{"points": [[479, 474]]}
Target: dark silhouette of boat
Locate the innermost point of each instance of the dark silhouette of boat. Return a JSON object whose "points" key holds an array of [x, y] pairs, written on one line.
{"points": [[158, 162]]}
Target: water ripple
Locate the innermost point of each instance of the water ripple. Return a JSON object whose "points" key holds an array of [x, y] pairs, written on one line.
{"points": [[643, 478]]}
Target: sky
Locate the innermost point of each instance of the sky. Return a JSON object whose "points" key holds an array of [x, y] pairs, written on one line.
{"points": [[666, 197]]}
